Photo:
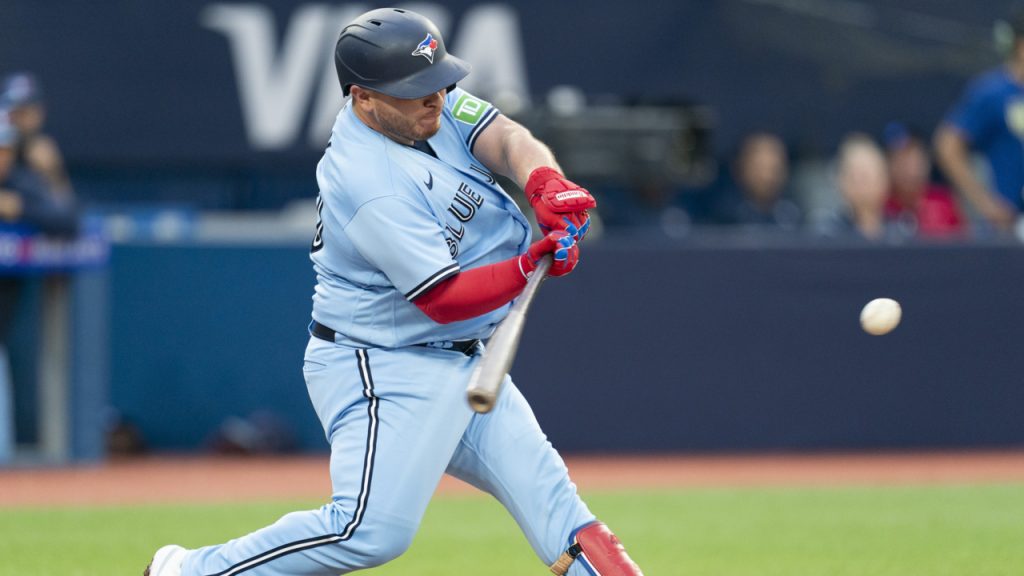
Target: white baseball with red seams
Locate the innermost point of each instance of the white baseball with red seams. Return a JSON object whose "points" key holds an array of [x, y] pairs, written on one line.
{"points": [[880, 316]]}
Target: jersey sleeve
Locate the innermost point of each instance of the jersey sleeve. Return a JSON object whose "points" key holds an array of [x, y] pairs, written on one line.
{"points": [[404, 242], [976, 113], [472, 115]]}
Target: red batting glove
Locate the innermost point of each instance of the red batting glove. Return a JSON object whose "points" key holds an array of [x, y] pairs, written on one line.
{"points": [[559, 203], [563, 248]]}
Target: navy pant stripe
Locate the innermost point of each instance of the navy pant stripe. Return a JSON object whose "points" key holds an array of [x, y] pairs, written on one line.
{"points": [[364, 490]]}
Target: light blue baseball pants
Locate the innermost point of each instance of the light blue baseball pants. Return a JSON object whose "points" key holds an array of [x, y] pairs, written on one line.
{"points": [[397, 419]]}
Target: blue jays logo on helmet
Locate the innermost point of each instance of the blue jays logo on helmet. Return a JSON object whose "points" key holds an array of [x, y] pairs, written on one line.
{"points": [[426, 48]]}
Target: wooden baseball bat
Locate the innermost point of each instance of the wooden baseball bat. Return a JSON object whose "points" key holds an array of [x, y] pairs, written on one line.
{"points": [[485, 382]]}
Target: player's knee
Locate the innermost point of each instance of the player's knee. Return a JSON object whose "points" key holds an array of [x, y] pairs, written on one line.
{"points": [[368, 550], [372, 541], [598, 550], [380, 541], [389, 544]]}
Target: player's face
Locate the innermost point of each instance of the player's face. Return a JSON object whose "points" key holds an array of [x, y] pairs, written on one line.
{"points": [[407, 121], [28, 118], [6, 161], [763, 171], [909, 168], [863, 178]]}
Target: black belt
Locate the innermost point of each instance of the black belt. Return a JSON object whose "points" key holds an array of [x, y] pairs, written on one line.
{"points": [[467, 347]]}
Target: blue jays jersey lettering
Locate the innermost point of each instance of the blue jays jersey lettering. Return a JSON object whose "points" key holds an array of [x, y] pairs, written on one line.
{"points": [[396, 221]]}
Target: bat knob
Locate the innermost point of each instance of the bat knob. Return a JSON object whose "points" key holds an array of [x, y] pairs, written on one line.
{"points": [[480, 401]]}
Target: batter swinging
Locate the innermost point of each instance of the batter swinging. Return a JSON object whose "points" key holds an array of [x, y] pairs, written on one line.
{"points": [[418, 254]]}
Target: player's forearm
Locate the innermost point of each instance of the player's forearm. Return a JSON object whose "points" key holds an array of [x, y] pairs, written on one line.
{"points": [[508, 148], [953, 156], [474, 292], [525, 153]]}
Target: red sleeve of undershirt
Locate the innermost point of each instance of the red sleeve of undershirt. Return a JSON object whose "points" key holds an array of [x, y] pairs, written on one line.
{"points": [[473, 292]]}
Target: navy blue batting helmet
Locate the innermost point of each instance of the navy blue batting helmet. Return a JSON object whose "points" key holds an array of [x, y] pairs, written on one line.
{"points": [[397, 52]]}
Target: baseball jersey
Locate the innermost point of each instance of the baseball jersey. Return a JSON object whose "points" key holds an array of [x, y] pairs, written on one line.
{"points": [[991, 116], [395, 221]]}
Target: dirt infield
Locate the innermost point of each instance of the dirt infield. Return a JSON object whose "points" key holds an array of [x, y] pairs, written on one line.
{"points": [[222, 479]]}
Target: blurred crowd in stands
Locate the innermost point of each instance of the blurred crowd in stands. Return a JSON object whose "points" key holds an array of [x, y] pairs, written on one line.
{"points": [[890, 185], [35, 194], [960, 179], [881, 188], [886, 189]]}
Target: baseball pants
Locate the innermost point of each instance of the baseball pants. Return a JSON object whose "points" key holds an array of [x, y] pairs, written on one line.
{"points": [[397, 419]]}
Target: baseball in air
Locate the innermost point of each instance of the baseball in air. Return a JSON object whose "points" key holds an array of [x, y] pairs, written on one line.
{"points": [[880, 316]]}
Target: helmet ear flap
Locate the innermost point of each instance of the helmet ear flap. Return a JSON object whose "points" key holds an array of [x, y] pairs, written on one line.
{"points": [[340, 68]]}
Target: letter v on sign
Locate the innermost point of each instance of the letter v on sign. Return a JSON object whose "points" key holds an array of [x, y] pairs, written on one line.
{"points": [[274, 86]]}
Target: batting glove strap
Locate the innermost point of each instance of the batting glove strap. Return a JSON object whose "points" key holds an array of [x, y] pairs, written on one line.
{"points": [[548, 186], [563, 249]]}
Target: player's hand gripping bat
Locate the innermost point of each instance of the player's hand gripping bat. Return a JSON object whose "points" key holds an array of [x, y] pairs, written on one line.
{"points": [[485, 383]]}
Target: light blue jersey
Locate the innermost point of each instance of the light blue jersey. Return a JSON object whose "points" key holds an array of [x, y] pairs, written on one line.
{"points": [[396, 221]]}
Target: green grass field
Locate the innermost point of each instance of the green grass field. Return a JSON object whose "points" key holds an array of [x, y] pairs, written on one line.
{"points": [[897, 531]]}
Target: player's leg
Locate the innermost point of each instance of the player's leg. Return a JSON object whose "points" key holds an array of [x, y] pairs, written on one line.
{"points": [[394, 418], [506, 454]]}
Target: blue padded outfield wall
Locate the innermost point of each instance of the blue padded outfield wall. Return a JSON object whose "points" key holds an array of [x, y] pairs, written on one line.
{"points": [[643, 348]]}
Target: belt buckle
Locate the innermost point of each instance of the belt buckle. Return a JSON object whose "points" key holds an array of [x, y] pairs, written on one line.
{"points": [[441, 345]]}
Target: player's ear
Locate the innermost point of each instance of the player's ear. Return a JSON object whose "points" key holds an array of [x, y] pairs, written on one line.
{"points": [[361, 97]]}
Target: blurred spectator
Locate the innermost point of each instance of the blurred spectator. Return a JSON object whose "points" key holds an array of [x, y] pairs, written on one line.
{"points": [[35, 150], [262, 432], [989, 118], [863, 181], [124, 438], [924, 208], [25, 199], [760, 173]]}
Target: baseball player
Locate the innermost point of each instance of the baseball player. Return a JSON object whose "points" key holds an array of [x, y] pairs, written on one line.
{"points": [[418, 254], [35, 149], [989, 119]]}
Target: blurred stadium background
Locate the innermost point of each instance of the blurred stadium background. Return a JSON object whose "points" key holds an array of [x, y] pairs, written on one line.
{"points": [[191, 130]]}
